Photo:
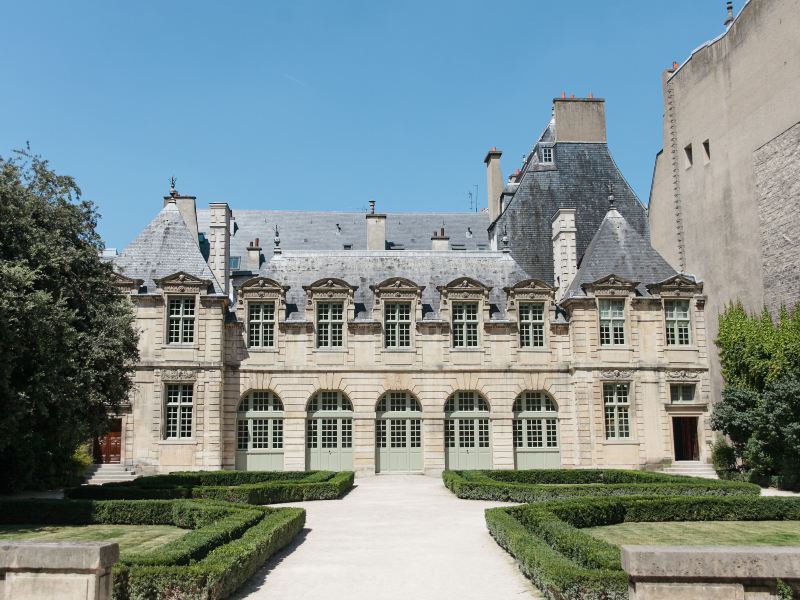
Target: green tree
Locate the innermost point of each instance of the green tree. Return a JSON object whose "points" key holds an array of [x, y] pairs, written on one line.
{"points": [[67, 338], [760, 406]]}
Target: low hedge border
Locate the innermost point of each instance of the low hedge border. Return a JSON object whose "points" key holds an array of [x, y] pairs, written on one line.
{"points": [[227, 544], [556, 484], [247, 487], [567, 564]]}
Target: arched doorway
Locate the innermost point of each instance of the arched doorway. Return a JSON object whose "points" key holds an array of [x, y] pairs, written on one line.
{"points": [[259, 432], [398, 433], [467, 442], [536, 436], [329, 432]]}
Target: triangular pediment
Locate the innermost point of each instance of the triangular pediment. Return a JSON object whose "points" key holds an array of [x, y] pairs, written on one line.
{"points": [[181, 278], [124, 281], [530, 285], [612, 281], [677, 284]]}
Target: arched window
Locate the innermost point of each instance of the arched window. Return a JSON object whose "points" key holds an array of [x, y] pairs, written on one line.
{"points": [[535, 431], [398, 433], [259, 432], [467, 431], [329, 431]]}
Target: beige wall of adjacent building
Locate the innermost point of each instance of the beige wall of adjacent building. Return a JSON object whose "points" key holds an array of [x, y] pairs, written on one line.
{"points": [[730, 214]]}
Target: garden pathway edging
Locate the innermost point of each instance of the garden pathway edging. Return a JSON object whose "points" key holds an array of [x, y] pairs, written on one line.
{"points": [[392, 537]]}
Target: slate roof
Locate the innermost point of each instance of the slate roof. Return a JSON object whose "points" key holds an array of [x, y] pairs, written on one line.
{"points": [[365, 268], [618, 249], [318, 230], [163, 248], [579, 179]]}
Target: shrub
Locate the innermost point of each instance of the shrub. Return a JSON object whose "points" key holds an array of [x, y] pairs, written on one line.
{"points": [[565, 563], [226, 545], [723, 457], [248, 487], [554, 484]]}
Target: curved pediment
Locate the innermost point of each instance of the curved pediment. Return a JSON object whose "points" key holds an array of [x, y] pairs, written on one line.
{"points": [[181, 282], [262, 287], [128, 284], [464, 284], [329, 284], [397, 284], [611, 284]]}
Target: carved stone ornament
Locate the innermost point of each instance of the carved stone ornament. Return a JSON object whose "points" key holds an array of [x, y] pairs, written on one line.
{"points": [[178, 375], [529, 289], [618, 374], [463, 288], [397, 288], [329, 289], [261, 288], [677, 286], [182, 282], [611, 285], [127, 285], [683, 375]]}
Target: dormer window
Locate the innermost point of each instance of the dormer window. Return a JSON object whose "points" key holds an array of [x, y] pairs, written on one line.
{"points": [[330, 323], [465, 325], [546, 154], [612, 322], [181, 321]]}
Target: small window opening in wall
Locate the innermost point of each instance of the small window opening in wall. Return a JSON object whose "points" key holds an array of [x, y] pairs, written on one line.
{"points": [[707, 151], [547, 155], [348, 246], [688, 152], [235, 261]]}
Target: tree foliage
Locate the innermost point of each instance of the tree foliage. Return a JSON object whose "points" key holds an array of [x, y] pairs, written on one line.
{"points": [[67, 338], [760, 406]]}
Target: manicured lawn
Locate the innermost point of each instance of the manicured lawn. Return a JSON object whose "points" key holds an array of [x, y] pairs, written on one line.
{"points": [[701, 533], [131, 538]]}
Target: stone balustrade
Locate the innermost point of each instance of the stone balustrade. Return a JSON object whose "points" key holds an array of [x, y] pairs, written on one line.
{"points": [[709, 572], [63, 570]]}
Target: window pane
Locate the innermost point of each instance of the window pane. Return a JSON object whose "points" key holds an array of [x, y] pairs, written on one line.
{"points": [[398, 433], [241, 434], [277, 433], [311, 433], [483, 433], [330, 433], [380, 433], [517, 433], [347, 433], [449, 433], [466, 433], [534, 431], [552, 433], [260, 433], [416, 433]]}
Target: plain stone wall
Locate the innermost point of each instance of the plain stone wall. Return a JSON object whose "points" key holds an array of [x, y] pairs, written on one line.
{"points": [[709, 572], [738, 92], [63, 570], [777, 170]]}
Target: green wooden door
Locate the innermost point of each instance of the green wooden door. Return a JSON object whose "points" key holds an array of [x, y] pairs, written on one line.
{"points": [[329, 432], [535, 430], [467, 437], [259, 432], [398, 434]]}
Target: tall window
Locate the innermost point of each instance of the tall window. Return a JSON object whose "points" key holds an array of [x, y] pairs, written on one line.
{"points": [[330, 324], [178, 411], [681, 392], [617, 410], [531, 325], [678, 322], [612, 322], [181, 321], [397, 324], [535, 422], [259, 424], [261, 324], [465, 325]]}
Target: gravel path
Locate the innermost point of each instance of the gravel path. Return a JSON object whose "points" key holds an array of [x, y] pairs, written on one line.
{"points": [[393, 537]]}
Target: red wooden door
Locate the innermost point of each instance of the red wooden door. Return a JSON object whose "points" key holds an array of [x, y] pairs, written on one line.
{"points": [[108, 448]]}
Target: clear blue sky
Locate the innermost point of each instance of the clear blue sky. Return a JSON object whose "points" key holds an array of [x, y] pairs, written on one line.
{"points": [[324, 105]]}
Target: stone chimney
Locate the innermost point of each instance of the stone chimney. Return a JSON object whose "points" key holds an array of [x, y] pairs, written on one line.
{"points": [[376, 229], [254, 255], [187, 205], [729, 15], [219, 240], [439, 241], [580, 119], [565, 260], [494, 182]]}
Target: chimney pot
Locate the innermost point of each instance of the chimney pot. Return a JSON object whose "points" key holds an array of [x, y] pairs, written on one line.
{"points": [[729, 15], [372, 207], [563, 94], [591, 95]]}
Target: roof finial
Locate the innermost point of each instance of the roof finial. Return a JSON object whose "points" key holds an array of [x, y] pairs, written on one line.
{"points": [[610, 193], [172, 190], [729, 16], [504, 239], [277, 241]]}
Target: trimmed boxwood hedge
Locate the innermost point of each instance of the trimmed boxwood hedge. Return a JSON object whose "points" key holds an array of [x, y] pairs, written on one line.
{"points": [[248, 487], [543, 485], [225, 547], [568, 564]]}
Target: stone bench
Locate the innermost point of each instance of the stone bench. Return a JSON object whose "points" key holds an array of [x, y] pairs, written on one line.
{"points": [[63, 570], [709, 572]]}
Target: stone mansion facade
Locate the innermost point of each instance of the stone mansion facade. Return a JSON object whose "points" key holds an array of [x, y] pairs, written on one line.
{"points": [[546, 332]]}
